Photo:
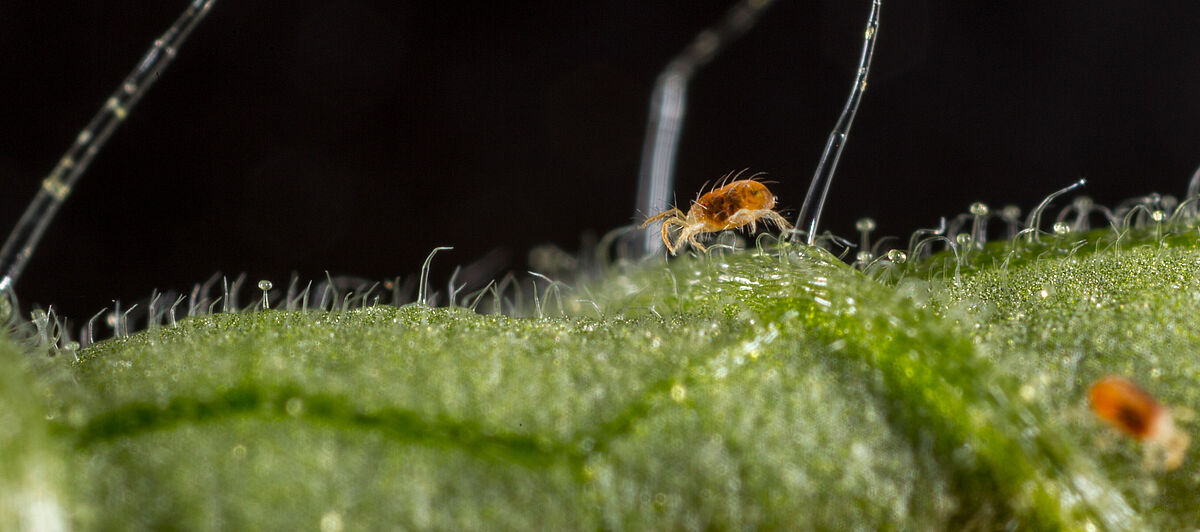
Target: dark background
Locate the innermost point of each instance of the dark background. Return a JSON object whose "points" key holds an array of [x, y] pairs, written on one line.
{"points": [[354, 136]]}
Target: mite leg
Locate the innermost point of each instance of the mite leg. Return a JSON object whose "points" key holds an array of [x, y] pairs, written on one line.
{"points": [[680, 239], [777, 219], [750, 217], [744, 217], [689, 235], [674, 212], [666, 235]]}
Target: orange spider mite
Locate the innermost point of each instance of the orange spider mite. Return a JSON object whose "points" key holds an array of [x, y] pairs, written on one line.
{"points": [[737, 204], [1123, 405]]}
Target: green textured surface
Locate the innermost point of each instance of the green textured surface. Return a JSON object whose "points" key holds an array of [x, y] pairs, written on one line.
{"points": [[747, 390], [33, 493]]}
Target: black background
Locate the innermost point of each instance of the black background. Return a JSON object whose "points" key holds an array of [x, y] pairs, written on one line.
{"points": [[354, 136]]}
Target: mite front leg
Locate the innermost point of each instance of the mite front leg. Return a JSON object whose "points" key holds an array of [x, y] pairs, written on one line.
{"points": [[673, 212]]}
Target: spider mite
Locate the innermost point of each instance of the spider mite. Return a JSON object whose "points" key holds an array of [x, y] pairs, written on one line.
{"points": [[737, 204], [1131, 410]]}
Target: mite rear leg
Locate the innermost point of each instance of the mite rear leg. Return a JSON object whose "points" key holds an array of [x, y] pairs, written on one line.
{"points": [[780, 222], [666, 233], [752, 216], [686, 236], [689, 236]]}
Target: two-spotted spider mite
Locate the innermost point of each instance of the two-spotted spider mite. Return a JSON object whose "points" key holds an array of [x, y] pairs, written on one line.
{"points": [[1131, 410], [737, 204]]}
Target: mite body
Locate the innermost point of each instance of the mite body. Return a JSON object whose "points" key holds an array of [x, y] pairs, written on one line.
{"points": [[1131, 410], [737, 204]]}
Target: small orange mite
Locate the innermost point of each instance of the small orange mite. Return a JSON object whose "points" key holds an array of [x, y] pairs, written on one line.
{"points": [[740, 203], [1123, 405]]}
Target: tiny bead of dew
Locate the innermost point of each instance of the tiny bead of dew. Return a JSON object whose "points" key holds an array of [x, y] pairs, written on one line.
{"points": [[865, 226], [265, 286], [979, 212], [1062, 228], [897, 256], [1010, 212]]}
